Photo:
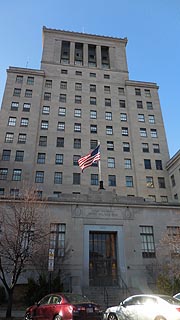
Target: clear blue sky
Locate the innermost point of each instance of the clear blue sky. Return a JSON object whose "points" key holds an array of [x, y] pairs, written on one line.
{"points": [[152, 28]]}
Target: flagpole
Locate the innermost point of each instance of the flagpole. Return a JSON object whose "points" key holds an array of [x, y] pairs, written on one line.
{"points": [[99, 168]]}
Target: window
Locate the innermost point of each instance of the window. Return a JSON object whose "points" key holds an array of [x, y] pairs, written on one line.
{"points": [[108, 116], [30, 80], [123, 117], [19, 79], [19, 155], [17, 92], [127, 164], [129, 181], [62, 98], [22, 138], [63, 85], [60, 142], [77, 143], [93, 114], [44, 124], [145, 147], [45, 110], [78, 86], [16, 175], [77, 127], [93, 100], [110, 145], [121, 90], [111, 162], [107, 89], [122, 103], [147, 242], [126, 147], [124, 131], [153, 133], [41, 157], [94, 179], [78, 73], [24, 122], [151, 119], [164, 199], [1, 194], [149, 105], [28, 93], [75, 160], [39, 178], [93, 128], [63, 71], [58, 177], [158, 164], [92, 75], [14, 106], [161, 182], [76, 178], [78, 99], [139, 104], [147, 163], [143, 132], [156, 148], [92, 88], [109, 130], [57, 194], [106, 76], [48, 84], [12, 121], [92, 55], [147, 93], [152, 197], [93, 144], [111, 180], [149, 182], [137, 92], [59, 158], [3, 173], [43, 141], [26, 107], [65, 52], [141, 117], [57, 238], [173, 182], [108, 102], [62, 111], [6, 155], [77, 113], [61, 126]]}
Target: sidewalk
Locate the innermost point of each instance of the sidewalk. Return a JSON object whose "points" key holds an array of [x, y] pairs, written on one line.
{"points": [[18, 314]]}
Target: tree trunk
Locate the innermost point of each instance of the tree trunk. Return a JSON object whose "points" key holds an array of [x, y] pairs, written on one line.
{"points": [[9, 305]]}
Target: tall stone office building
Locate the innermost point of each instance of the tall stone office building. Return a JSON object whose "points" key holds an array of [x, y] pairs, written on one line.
{"points": [[50, 117]]}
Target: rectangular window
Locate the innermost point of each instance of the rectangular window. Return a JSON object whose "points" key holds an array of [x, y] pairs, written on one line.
{"points": [[93, 114], [108, 116], [147, 242], [93, 144], [77, 127], [39, 178], [14, 106], [149, 105], [129, 181], [75, 160], [76, 178], [91, 55], [63, 71], [78, 99], [78, 54], [122, 103], [6, 155], [60, 142], [41, 157], [153, 133], [19, 155], [151, 119], [44, 124], [62, 98], [143, 132], [48, 84], [123, 117], [93, 128], [109, 130], [58, 177], [57, 238], [110, 145], [45, 110], [1, 194], [77, 113], [30, 80], [93, 100], [111, 162], [61, 126], [147, 93], [145, 147], [161, 182], [107, 89], [59, 158], [63, 85], [106, 76], [19, 79], [77, 143], [16, 175], [156, 148], [141, 117], [173, 182], [28, 93], [149, 182], [3, 173], [65, 52], [108, 102], [62, 111], [17, 92], [111, 180], [121, 90], [78, 86], [127, 164], [92, 75], [158, 164], [47, 96], [124, 131], [24, 122], [147, 163], [139, 104], [92, 88], [126, 147], [78, 73], [137, 92], [22, 138], [12, 121], [26, 107], [94, 179], [43, 141]]}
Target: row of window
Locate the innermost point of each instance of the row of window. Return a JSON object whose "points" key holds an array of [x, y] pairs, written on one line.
{"points": [[58, 178]]}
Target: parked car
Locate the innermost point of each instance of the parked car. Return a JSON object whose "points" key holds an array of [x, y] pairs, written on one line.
{"points": [[145, 307], [177, 296], [64, 306]]}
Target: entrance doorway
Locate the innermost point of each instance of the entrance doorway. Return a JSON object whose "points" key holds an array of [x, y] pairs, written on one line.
{"points": [[102, 258]]}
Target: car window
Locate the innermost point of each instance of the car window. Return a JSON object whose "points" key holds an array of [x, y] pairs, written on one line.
{"points": [[55, 299], [149, 300], [45, 300], [170, 300]]}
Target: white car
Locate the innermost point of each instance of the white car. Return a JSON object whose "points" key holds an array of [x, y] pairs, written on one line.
{"points": [[145, 307]]}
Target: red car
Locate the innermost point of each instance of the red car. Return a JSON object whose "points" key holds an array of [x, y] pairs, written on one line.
{"points": [[64, 306]]}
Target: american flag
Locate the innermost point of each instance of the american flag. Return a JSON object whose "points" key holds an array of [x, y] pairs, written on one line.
{"points": [[90, 158]]}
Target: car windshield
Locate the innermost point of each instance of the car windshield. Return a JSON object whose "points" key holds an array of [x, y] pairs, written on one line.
{"points": [[76, 298], [170, 300]]}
